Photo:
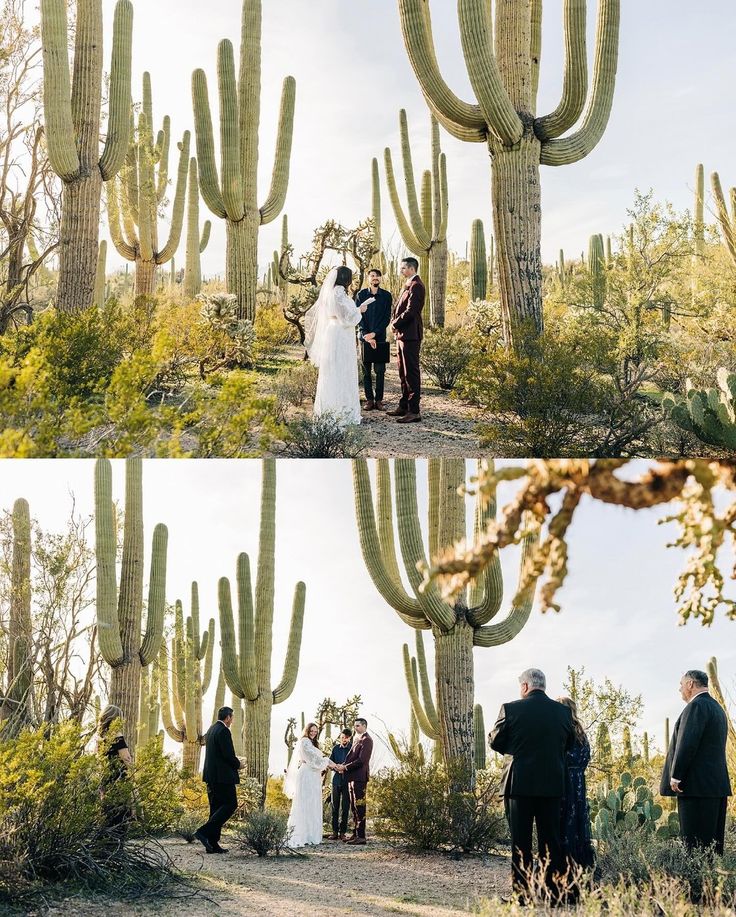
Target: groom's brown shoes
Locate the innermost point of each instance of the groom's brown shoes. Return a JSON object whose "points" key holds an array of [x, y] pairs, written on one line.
{"points": [[369, 406], [397, 412], [331, 837], [356, 841], [409, 418], [378, 406], [348, 840]]}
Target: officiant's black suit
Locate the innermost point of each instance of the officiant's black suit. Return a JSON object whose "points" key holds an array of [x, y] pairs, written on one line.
{"points": [[220, 773], [536, 732], [697, 757], [409, 331], [375, 320]]}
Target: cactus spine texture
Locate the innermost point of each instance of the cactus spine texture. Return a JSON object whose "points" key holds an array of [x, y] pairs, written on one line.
{"points": [[424, 231], [119, 613], [72, 131], [709, 414], [183, 680], [232, 195], [16, 704], [478, 262], [135, 196], [246, 659], [503, 66], [99, 298], [150, 709], [459, 625], [479, 727], [196, 243]]}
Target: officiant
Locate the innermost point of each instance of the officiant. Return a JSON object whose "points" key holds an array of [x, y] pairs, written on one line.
{"points": [[375, 352]]}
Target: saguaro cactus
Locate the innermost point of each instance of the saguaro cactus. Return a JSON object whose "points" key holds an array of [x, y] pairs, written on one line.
{"points": [[196, 244], [138, 193], [119, 614], [597, 270], [478, 261], [246, 660], [233, 195], [710, 414], [100, 275], [717, 692], [72, 128], [189, 684], [425, 230], [150, 708], [726, 218], [282, 284], [503, 65], [479, 727], [457, 625], [16, 700], [377, 259]]}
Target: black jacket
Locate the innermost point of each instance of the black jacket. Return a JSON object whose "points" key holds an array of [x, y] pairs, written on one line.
{"points": [[338, 755], [697, 752], [377, 316], [536, 732], [221, 764]]}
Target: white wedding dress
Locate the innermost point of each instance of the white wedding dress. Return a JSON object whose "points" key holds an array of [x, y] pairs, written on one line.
{"points": [[303, 784], [331, 345]]}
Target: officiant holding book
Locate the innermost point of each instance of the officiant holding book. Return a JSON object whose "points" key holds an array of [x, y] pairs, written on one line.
{"points": [[375, 352]]}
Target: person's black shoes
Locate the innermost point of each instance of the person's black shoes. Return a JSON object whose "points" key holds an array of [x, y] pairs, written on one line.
{"points": [[217, 849], [205, 842]]}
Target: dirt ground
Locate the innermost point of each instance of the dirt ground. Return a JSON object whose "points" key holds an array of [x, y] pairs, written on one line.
{"points": [[332, 880]]}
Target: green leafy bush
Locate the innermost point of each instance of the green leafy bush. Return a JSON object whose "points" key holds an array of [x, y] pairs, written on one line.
{"points": [[323, 437], [445, 354], [295, 385], [263, 832]]}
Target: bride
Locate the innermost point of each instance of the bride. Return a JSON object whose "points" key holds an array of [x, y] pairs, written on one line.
{"points": [[330, 343], [303, 785]]}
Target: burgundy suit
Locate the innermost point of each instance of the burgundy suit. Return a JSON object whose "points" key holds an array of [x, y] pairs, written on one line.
{"points": [[409, 331], [357, 770]]}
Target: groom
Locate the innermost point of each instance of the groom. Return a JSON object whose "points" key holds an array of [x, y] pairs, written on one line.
{"points": [[408, 330], [220, 773], [357, 770]]}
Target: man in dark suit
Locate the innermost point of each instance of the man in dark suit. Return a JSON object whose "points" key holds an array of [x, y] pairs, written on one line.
{"points": [[220, 773], [535, 733], [357, 770], [409, 331], [340, 787], [695, 770], [373, 327]]}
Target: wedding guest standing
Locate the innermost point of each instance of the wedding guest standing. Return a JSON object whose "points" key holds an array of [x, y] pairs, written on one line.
{"points": [[340, 789], [220, 773], [115, 788], [375, 348], [695, 770], [576, 838]]}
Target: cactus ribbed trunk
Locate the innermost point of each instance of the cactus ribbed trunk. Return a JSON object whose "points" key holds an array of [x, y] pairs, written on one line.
{"points": [[455, 682], [190, 757], [437, 283], [517, 222], [241, 255], [258, 737], [145, 277], [78, 242]]}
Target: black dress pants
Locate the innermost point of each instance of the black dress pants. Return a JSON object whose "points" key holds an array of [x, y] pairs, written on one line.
{"points": [[223, 799], [340, 808], [380, 370], [522, 812], [702, 821]]}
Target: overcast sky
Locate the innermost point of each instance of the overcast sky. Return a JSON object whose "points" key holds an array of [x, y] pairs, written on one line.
{"points": [[675, 86], [618, 617]]}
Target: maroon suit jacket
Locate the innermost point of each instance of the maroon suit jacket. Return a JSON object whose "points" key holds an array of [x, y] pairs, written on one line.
{"points": [[357, 762], [407, 317]]}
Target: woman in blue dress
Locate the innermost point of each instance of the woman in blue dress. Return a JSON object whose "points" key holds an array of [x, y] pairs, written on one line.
{"points": [[576, 836]]}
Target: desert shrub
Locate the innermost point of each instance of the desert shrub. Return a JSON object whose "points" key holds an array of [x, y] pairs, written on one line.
{"points": [[156, 789], [323, 437], [294, 385], [276, 801], [272, 333], [195, 806], [483, 320], [263, 832], [418, 805], [234, 337], [445, 355], [249, 796]]}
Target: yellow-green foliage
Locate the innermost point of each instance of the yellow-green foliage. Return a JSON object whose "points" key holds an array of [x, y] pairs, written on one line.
{"points": [[275, 799], [156, 789], [273, 333]]}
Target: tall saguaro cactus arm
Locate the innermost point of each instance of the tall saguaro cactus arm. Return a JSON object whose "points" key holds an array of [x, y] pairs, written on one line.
{"points": [[291, 664], [108, 626], [274, 203]]}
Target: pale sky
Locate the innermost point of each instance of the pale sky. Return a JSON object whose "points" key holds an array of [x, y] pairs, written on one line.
{"points": [[618, 618], [675, 85]]}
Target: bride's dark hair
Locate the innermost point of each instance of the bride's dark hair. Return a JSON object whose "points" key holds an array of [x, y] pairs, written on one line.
{"points": [[305, 734], [344, 277]]}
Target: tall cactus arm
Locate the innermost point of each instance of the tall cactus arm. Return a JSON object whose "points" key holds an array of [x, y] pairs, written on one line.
{"points": [[376, 203], [291, 665], [423, 681], [566, 150], [486, 594], [129, 184], [247, 645], [146, 192], [162, 157], [274, 203], [441, 231], [108, 634], [219, 693], [205, 240], [177, 216], [209, 644], [173, 730], [575, 79], [416, 27], [208, 179], [724, 218], [199, 647], [421, 227], [717, 691], [59, 125], [232, 179], [476, 35], [190, 687], [506, 630], [410, 539], [535, 50], [467, 135], [156, 597], [428, 727], [116, 142], [177, 680], [384, 507], [382, 573], [230, 668], [405, 228], [124, 248]]}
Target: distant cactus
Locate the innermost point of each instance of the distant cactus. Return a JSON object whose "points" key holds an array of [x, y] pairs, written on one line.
{"points": [[119, 613], [726, 219], [630, 808], [709, 414], [246, 660], [603, 752], [597, 270], [717, 692], [232, 195], [72, 132], [628, 751], [478, 262], [196, 243], [666, 735], [424, 231], [377, 259], [150, 708], [290, 739], [645, 748], [479, 727]]}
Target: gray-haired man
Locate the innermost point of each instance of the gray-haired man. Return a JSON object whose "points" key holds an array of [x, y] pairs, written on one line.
{"points": [[535, 734]]}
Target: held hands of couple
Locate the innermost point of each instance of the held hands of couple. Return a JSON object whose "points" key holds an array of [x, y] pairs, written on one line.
{"points": [[370, 338]]}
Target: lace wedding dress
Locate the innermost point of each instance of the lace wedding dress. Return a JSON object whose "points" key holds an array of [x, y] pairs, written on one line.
{"points": [[331, 346], [303, 784]]}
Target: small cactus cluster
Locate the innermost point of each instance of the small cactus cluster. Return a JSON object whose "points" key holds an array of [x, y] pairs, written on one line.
{"points": [[628, 808], [710, 414]]}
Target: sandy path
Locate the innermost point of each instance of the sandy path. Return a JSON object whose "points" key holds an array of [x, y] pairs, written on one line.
{"points": [[371, 881]]}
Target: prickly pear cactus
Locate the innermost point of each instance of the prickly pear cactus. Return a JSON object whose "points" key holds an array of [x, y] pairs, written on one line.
{"points": [[629, 808], [709, 414]]}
